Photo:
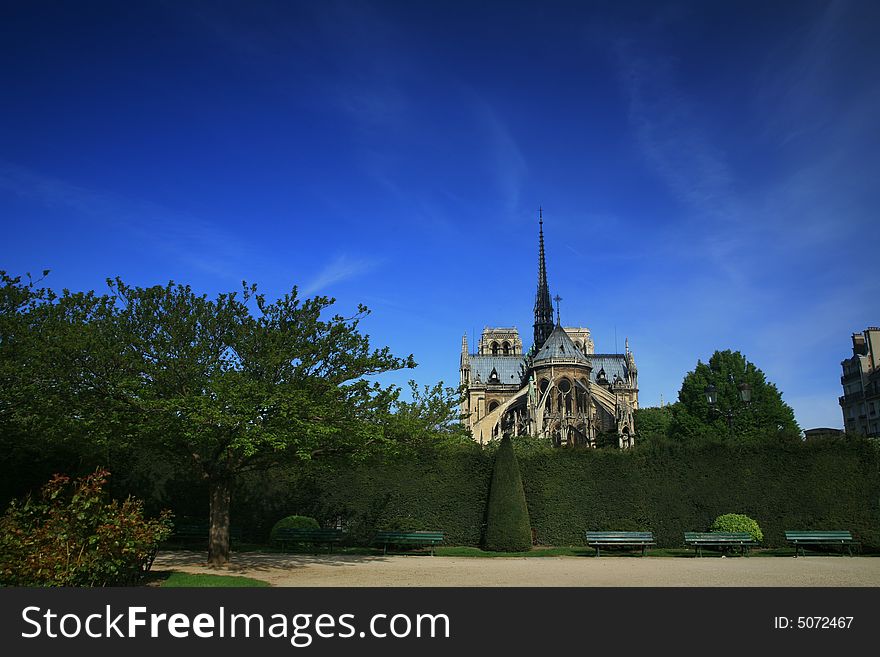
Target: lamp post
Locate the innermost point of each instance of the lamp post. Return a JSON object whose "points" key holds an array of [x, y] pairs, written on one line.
{"points": [[745, 395]]}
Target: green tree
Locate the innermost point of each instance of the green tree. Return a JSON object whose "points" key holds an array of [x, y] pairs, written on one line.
{"points": [[508, 528], [230, 384], [765, 417], [38, 434], [431, 416], [653, 422]]}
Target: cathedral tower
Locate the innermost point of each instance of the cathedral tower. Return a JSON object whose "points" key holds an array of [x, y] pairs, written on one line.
{"points": [[543, 305]]}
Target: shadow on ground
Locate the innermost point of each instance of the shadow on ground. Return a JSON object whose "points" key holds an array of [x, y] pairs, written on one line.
{"points": [[256, 561]]}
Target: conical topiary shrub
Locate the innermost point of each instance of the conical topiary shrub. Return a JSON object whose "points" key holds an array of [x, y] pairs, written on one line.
{"points": [[507, 519]]}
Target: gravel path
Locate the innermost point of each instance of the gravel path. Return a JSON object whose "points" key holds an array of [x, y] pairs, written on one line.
{"points": [[419, 570]]}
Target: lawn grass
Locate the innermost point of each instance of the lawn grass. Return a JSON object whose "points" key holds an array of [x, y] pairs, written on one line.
{"points": [[188, 580], [612, 553]]}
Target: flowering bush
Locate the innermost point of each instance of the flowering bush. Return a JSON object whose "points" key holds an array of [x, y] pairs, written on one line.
{"points": [[73, 535]]}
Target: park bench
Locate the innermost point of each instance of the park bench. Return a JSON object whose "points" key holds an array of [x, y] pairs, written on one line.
{"points": [[699, 540], [312, 535], [420, 539], [186, 532], [802, 538], [628, 539]]}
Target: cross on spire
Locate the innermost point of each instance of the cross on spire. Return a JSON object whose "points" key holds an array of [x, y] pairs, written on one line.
{"points": [[557, 299]]}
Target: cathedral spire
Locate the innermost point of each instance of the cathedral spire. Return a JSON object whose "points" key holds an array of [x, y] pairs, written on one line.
{"points": [[543, 305]]}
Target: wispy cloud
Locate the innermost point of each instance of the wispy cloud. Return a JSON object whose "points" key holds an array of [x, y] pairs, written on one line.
{"points": [[190, 240], [668, 132], [678, 146], [342, 268], [504, 155]]}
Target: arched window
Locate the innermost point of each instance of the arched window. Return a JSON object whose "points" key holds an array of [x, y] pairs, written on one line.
{"points": [[493, 405], [582, 403], [564, 400], [494, 348], [505, 348]]}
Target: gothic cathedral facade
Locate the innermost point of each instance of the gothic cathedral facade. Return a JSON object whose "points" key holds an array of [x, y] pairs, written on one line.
{"points": [[560, 389]]}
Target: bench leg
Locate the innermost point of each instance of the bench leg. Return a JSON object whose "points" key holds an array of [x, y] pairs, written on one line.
{"points": [[644, 550], [597, 551]]}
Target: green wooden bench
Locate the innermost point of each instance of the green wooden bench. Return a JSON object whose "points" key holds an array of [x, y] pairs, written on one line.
{"points": [[699, 540], [802, 538], [190, 532], [400, 539], [312, 535], [627, 539]]}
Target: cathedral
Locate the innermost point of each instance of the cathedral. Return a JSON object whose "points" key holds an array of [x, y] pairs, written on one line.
{"points": [[560, 389]]}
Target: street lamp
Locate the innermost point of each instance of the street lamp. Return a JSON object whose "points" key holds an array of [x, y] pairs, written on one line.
{"points": [[745, 395], [711, 395]]}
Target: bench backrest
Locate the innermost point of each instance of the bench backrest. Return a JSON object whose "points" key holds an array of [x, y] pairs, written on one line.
{"points": [[818, 535], [200, 530], [732, 537], [308, 533], [409, 536], [622, 536]]}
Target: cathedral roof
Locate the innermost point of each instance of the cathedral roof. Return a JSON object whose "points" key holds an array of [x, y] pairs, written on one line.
{"points": [[559, 345], [507, 367], [613, 364]]}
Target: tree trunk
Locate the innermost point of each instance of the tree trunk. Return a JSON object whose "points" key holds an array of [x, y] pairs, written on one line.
{"points": [[218, 534]]}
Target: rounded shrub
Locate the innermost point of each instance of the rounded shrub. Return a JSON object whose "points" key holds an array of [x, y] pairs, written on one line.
{"points": [[737, 522], [507, 520], [294, 522]]}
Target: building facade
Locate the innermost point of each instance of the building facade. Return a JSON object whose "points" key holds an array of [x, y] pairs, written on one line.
{"points": [[560, 389], [860, 402]]}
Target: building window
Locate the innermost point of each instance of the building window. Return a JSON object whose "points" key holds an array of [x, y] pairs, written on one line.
{"points": [[494, 348], [505, 348]]}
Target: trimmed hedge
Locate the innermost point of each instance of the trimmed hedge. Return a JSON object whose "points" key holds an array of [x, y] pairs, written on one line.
{"points": [[507, 518], [444, 489], [665, 488]]}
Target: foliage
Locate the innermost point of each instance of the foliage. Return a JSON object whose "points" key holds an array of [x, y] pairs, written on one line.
{"points": [[433, 415], [229, 385], [74, 536], [653, 422], [507, 518], [190, 580], [667, 487], [442, 488], [767, 417], [293, 522], [737, 522]]}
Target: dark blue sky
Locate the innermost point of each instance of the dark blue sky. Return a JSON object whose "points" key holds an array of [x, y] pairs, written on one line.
{"points": [[707, 170]]}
